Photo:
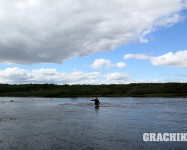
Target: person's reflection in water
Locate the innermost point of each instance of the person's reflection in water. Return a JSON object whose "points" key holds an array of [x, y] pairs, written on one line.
{"points": [[96, 108]]}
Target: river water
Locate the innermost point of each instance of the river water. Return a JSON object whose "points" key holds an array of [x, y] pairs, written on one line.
{"points": [[74, 123]]}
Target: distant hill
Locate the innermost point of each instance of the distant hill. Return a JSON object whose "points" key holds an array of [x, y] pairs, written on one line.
{"points": [[112, 90]]}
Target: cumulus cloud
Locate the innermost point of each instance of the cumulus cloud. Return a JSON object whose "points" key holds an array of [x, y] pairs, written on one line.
{"points": [[20, 76], [38, 31], [101, 64], [120, 65], [12, 75], [106, 64], [178, 59], [117, 76]]}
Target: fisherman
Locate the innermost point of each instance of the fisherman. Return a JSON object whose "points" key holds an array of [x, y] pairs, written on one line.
{"points": [[97, 103]]}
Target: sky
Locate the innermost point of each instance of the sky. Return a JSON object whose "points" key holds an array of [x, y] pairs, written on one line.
{"points": [[89, 42]]}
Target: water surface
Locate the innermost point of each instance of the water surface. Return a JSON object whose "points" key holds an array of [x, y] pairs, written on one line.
{"points": [[74, 123]]}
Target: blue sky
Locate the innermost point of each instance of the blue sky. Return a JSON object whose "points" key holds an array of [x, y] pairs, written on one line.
{"points": [[154, 50]]}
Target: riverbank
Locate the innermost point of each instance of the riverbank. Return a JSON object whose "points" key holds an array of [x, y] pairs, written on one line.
{"points": [[113, 90]]}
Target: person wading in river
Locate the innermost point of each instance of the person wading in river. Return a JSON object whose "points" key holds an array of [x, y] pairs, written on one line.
{"points": [[97, 102]]}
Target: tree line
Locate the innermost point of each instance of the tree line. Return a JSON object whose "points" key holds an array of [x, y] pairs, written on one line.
{"points": [[112, 90]]}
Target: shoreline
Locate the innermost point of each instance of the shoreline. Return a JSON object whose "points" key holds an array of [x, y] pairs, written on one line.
{"points": [[114, 90]]}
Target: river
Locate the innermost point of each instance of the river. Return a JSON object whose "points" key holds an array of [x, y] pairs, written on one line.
{"points": [[74, 123]]}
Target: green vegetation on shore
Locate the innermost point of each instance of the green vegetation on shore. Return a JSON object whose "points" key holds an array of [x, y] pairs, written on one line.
{"points": [[113, 90]]}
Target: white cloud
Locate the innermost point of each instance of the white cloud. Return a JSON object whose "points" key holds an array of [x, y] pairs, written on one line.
{"points": [[20, 76], [10, 75], [178, 59], [101, 64], [120, 64], [38, 31], [117, 76], [137, 56], [106, 64]]}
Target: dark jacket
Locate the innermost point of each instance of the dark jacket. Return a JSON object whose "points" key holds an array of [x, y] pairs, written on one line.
{"points": [[96, 101]]}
